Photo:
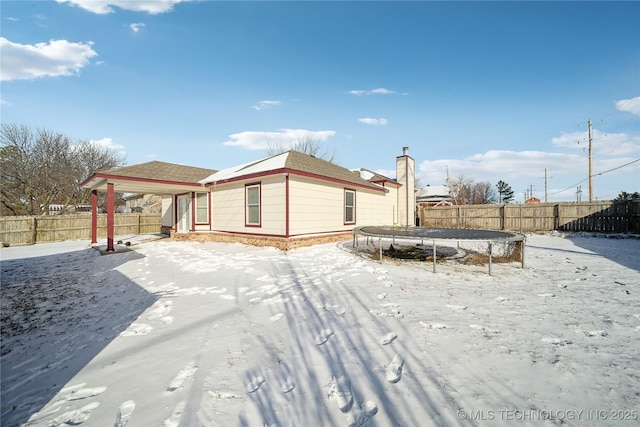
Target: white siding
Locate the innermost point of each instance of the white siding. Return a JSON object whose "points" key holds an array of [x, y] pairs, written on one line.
{"points": [[315, 206], [318, 206], [167, 211], [373, 208], [228, 206]]}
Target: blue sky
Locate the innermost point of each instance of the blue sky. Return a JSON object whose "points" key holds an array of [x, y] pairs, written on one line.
{"points": [[486, 90]]}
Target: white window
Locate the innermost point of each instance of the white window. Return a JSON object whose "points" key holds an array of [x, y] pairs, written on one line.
{"points": [[349, 207], [252, 197], [202, 208]]}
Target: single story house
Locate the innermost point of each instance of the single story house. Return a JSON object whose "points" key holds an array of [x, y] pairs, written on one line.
{"points": [[286, 200], [434, 195]]}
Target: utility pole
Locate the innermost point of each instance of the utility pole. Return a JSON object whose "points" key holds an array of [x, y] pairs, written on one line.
{"points": [[579, 193], [545, 185], [590, 163]]}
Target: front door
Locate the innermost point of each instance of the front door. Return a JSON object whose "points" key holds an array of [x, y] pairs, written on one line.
{"points": [[184, 219]]}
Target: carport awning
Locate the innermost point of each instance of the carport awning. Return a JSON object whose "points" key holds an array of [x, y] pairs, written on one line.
{"points": [[136, 185], [150, 178]]}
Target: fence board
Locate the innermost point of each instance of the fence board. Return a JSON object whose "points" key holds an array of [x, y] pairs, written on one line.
{"points": [[29, 230], [605, 216]]}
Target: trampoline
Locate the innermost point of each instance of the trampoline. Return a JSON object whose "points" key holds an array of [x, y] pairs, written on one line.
{"points": [[434, 235]]}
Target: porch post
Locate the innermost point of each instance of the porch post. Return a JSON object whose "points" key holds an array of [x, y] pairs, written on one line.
{"points": [[94, 216], [110, 216]]}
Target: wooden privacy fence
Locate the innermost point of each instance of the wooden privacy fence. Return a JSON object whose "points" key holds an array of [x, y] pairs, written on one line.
{"points": [[28, 230], [606, 216]]}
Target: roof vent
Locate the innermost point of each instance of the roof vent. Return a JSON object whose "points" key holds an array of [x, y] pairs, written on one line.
{"points": [[405, 151]]}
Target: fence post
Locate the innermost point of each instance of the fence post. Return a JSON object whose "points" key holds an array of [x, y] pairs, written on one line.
{"points": [[434, 256], [521, 218], [34, 225]]}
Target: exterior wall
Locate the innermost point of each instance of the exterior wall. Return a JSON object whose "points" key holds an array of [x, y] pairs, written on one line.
{"points": [[167, 211], [374, 208], [228, 206], [315, 206], [318, 206]]}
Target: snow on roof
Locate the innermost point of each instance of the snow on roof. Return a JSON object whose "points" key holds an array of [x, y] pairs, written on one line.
{"points": [[294, 161], [365, 174], [433, 190], [262, 165]]}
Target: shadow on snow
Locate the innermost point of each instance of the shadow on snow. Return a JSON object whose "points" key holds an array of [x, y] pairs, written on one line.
{"points": [[56, 318]]}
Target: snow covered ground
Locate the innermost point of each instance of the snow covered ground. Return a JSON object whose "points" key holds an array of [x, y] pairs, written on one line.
{"points": [[207, 334]]}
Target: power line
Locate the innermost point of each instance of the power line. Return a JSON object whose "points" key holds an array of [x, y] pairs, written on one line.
{"points": [[598, 174]]}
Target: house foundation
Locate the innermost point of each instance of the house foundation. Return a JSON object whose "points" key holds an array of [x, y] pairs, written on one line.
{"points": [[282, 243]]}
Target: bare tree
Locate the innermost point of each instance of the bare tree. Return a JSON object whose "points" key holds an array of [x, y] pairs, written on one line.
{"points": [[483, 193], [306, 145], [460, 189], [467, 192], [42, 168]]}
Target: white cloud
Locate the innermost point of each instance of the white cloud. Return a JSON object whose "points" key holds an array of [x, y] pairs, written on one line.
{"points": [[378, 91], [55, 58], [524, 170], [135, 27], [374, 122], [251, 140], [104, 6], [3, 102], [610, 144], [108, 143], [266, 104], [629, 105]]}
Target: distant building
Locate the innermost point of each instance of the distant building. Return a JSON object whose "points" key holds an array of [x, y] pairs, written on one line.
{"points": [[532, 200], [143, 203], [434, 195]]}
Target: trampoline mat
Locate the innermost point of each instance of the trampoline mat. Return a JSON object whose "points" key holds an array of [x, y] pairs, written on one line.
{"points": [[439, 233]]}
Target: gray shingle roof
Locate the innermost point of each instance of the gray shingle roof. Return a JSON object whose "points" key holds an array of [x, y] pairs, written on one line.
{"points": [[161, 171], [313, 165]]}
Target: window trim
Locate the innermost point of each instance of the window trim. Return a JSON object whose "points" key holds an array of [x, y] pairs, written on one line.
{"points": [[246, 204], [197, 207], [353, 207]]}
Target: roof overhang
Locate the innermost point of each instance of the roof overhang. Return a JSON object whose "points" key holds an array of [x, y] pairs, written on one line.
{"points": [[124, 184], [285, 171]]}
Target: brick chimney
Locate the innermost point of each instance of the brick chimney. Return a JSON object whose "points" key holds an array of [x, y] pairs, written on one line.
{"points": [[406, 175]]}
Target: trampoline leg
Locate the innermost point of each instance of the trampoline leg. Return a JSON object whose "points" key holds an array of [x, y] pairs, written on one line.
{"points": [[522, 253], [380, 246], [434, 256], [490, 246]]}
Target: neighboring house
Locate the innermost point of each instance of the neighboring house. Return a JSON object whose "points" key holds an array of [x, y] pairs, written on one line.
{"points": [[277, 199], [55, 209], [143, 203], [434, 195]]}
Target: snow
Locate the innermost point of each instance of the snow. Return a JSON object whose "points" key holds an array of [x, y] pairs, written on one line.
{"points": [[185, 333], [262, 165]]}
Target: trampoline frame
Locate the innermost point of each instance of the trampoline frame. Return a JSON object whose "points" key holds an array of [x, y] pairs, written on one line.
{"points": [[440, 234]]}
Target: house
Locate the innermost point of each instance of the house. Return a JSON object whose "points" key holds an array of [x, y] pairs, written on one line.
{"points": [[286, 200], [434, 195]]}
